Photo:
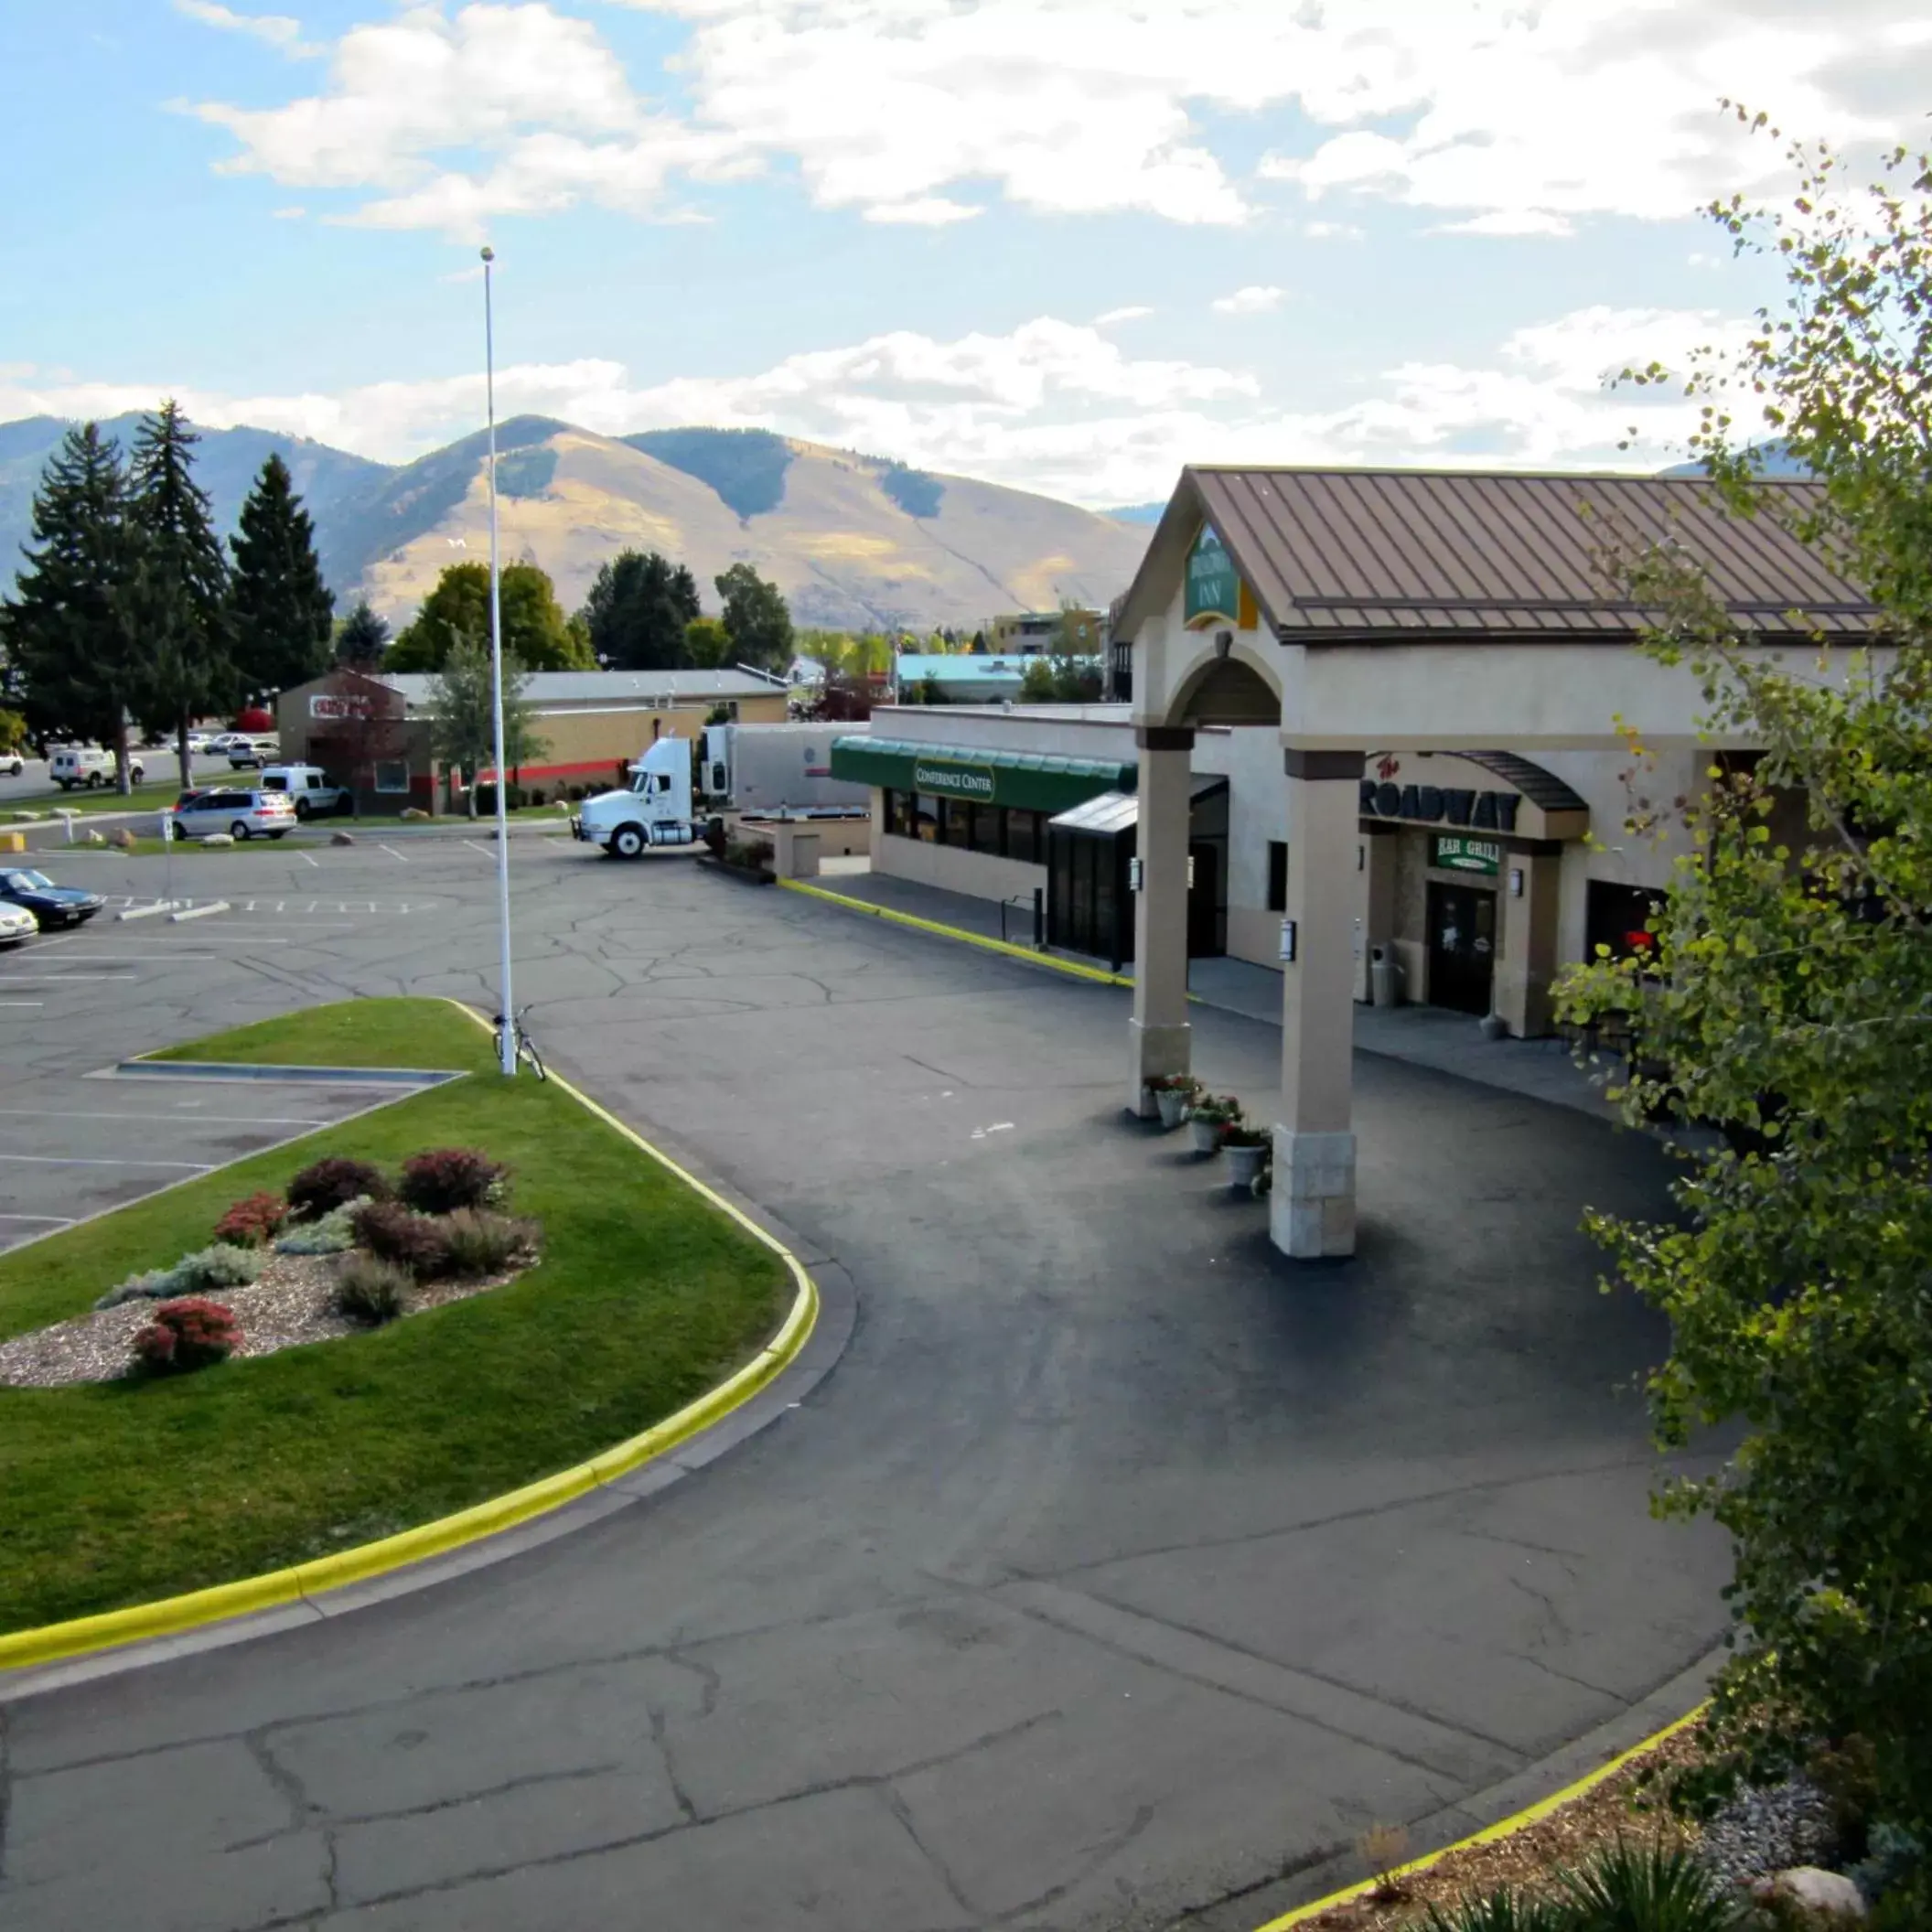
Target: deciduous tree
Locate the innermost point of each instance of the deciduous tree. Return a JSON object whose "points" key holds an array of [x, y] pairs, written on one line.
{"points": [[757, 618], [462, 713], [534, 629], [1786, 997]]}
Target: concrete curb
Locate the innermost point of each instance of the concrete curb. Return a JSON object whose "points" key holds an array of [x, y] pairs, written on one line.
{"points": [[896, 917], [146, 912], [298, 1584], [1522, 1799]]}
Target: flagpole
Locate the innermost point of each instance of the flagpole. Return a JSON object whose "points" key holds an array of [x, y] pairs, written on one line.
{"points": [[507, 1032]]}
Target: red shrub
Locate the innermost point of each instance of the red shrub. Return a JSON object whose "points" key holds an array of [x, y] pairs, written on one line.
{"points": [[391, 1233], [446, 1178], [332, 1183], [191, 1332], [252, 1223]]}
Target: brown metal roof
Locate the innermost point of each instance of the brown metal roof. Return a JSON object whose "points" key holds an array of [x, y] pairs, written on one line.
{"points": [[1338, 553]]}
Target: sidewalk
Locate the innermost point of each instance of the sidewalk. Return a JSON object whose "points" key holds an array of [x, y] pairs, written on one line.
{"points": [[1423, 1036]]}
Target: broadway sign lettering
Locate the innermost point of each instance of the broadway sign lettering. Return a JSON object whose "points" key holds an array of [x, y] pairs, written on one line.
{"points": [[1438, 805]]}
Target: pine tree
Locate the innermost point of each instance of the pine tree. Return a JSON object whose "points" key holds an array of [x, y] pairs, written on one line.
{"points": [[72, 626], [280, 610], [183, 576], [362, 640], [638, 612]]}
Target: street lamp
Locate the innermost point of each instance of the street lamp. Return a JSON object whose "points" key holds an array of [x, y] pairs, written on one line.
{"points": [[507, 1031]]}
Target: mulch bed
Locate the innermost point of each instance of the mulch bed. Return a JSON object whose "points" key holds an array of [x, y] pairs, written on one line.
{"points": [[290, 1302]]}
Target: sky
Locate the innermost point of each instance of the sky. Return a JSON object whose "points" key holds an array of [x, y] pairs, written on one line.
{"points": [[1068, 245]]}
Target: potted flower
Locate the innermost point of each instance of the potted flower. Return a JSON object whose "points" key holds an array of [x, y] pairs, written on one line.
{"points": [[1247, 1147], [1172, 1093], [1209, 1115]]}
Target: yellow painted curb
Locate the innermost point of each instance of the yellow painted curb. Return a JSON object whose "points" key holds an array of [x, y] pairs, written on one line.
{"points": [[1503, 1828], [959, 932], [172, 1614]]}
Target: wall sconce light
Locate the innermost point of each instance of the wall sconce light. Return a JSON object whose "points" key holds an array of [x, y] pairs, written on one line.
{"points": [[1362, 858], [1223, 642], [1516, 881]]}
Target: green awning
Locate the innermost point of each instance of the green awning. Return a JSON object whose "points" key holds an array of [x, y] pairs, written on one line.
{"points": [[1034, 781]]}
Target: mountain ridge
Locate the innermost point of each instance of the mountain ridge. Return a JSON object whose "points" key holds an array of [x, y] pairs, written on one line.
{"points": [[854, 540]]}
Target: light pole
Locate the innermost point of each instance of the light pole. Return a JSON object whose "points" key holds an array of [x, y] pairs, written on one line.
{"points": [[507, 1032]]}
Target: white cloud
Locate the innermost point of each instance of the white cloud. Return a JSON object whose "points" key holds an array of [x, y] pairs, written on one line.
{"points": [[1255, 300], [925, 211], [277, 29], [1052, 406], [291, 214], [1133, 312], [1331, 230]]}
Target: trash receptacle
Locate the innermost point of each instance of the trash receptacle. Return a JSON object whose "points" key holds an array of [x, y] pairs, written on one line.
{"points": [[1385, 977]]}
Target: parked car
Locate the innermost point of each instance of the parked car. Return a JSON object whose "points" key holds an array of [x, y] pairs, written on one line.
{"points": [[244, 752], [16, 923], [50, 905], [89, 766], [314, 792], [12, 764], [241, 814]]}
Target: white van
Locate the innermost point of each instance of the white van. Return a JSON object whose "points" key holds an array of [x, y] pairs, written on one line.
{"points": [[310, 789], [88, 764]]}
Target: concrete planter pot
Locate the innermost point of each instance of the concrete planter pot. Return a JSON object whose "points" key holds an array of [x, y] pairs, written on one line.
{"points": [[1244, 1165], [1493, 1027], [1172, 1105], [1206, 1135]]}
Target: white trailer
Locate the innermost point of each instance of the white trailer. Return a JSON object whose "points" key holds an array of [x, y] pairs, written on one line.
{"points": [[653, 810], [764, 769]]}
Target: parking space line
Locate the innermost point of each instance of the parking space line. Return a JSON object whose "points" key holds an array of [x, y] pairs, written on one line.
{"points": [[166, 1119], [393, 853], [74, 1160], [52, 1220], [23, 1003], [300, 854], [485, 850], [60, 979]]}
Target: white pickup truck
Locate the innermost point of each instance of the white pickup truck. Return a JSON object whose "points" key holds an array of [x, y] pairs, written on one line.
{"points": [[654, 811]]}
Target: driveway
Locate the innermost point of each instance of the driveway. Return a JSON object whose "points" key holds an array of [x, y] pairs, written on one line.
{"points": [[1120, 1571]]}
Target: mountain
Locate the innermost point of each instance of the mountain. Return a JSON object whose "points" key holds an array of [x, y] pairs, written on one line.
{"points": [[1138, 513], [1776, 461], [853, 541], [226, 463]]}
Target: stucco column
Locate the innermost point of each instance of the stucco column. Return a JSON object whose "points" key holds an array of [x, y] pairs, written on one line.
{"points": [[1375, 903], [1311, 1206], [1527, 961], [1159, 1038]]}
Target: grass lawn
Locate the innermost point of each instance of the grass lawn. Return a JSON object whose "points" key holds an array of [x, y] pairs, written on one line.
{"points": [[645, 1296]]}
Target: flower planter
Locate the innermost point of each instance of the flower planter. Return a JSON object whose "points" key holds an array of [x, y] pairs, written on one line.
{"points": [[1172, 1105], [1206, 1135], [1244, 1164]]}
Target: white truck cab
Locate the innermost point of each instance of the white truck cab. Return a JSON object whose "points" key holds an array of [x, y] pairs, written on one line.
{"points": [[654, 811]]}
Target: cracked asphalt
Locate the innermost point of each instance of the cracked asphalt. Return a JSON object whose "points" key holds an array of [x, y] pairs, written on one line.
{"points": [[1119, 1576]]}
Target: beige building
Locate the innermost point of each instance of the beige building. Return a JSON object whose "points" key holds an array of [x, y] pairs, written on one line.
{"points": [[1027, 633], [373, 733], [1374, 715]]}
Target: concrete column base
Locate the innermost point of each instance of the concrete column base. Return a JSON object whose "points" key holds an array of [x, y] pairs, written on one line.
{"points": [[1311, 1204], [1153, 1050]]}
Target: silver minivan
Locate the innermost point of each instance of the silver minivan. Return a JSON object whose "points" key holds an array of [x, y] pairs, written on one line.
{"points": [[240, 814]]}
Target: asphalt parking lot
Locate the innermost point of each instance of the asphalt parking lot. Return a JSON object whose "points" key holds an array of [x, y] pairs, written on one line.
{"points": [[1119, 1574]]}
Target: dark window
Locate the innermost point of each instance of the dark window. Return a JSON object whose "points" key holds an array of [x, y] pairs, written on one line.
{"points": [[955, 822], [1615, 917], [901, 814], [926, 819], [1277, 875], [1026, 836], [988, 829]]}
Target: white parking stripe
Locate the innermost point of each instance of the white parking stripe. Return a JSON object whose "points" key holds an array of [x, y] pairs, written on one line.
{"points": [[63, 1160], [485, 850], [23, 1003], [316, 863], [393, 853], [56, 979], [165, 1120], [52, 1220]]}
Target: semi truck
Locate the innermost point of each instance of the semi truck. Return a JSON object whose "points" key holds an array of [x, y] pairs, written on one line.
{"points": [[654, 809], [777, 769]]}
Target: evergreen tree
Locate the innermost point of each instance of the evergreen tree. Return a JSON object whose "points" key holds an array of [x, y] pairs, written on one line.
{"points": [[183, 606], [73, 629], [638, 612], [757, 616], [281, 612], [361, 639]]}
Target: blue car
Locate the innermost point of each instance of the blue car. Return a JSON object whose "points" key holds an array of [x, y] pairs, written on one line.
{"points": [[51, 905]]}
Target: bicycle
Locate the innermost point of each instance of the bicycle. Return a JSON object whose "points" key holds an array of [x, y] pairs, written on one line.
{"points": [[526, 1048]]}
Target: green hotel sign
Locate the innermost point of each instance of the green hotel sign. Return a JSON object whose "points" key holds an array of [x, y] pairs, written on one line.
{"points": [[1451, 851], [1214, 585]]}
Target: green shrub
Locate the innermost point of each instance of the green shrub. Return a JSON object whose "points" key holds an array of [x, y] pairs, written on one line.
{"points": [[332, 1183], [335, 1233], [446, 1179], [1647, 1888], [477, 1243], [415, 1242], [370, 1291], [221, 1266], [1501, 1911]]}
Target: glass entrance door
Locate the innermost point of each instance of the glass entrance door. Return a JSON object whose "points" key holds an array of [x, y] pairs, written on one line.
{"points": [[1462, 948]]}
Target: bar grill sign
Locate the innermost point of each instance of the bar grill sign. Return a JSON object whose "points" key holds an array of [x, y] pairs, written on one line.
{"points": [[1450, 851], [954, 781]]}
